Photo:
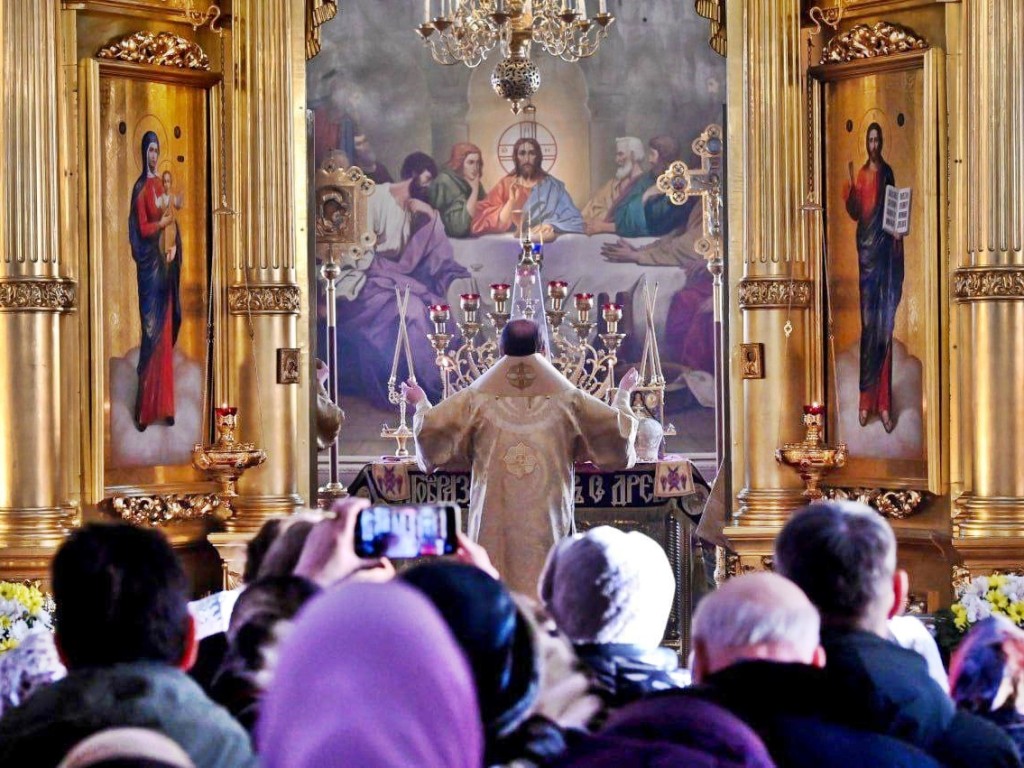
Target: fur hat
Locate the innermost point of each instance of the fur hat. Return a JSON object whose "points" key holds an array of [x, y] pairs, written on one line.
{"points": [[608, 586]]}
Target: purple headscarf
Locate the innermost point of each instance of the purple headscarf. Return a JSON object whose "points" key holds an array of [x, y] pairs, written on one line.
{"points": [[370, 675]]}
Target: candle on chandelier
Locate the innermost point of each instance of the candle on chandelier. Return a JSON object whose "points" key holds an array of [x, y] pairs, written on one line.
{"points": [[426, 11], [470, 303], [602, 6], [583, 9], [225, 410]]}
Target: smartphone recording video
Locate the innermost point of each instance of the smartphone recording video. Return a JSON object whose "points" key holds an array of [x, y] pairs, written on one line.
{"points": [[407, 531]]}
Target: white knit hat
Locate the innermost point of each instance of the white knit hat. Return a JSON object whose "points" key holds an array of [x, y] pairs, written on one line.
{"points": [[608, 586]]}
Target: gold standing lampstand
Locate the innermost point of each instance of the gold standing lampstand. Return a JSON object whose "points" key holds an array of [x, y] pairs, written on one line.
{"points": [[811, 458], [396, 394], [227, 459]]}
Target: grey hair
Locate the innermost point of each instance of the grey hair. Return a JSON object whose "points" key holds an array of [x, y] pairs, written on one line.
{"points": [[757, 609], [842, 554], [632, 146]]}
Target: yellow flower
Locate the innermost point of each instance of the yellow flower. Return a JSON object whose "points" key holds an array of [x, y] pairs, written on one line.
{"points": [[997, 580], [1016, 612], [997, 599], [8, 644]]}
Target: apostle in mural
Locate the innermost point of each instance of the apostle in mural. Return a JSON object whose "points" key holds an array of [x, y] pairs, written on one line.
{"points": [[366, 158], [880, 262], [644, 210], [528, 195], [158, 266], [457, 190], [412, 250], [629, 161]]}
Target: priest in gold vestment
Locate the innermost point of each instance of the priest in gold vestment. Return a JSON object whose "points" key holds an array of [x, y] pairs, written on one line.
{"points": [[521, 426]]}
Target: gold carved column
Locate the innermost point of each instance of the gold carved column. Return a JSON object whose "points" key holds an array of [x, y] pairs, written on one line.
{"points": [[36, 296], [770, 251], [988, 286], [264, 301]]}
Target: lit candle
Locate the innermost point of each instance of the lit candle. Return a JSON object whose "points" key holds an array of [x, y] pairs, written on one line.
{"points": [[814, 409]]}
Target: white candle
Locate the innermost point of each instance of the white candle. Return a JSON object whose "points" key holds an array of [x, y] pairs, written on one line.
{"points": [[603, 6], [583, 9], [426, 11]]}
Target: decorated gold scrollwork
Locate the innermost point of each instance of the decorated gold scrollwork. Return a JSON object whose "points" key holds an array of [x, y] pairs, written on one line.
{"points": [[318, 13], [155, 511], [163, 49], [263, 299], [894, 504], [38, 295], [769, 292], [865, 42], [987, 283]]}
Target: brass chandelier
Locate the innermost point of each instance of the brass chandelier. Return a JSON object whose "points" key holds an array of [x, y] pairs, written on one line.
{"points": [[467, 31]]}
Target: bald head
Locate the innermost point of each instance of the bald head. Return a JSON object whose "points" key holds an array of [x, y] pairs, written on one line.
{"points": [[756, 616], [520, 338]]}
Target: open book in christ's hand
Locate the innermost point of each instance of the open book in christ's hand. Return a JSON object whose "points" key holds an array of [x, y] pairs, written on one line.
{"points": [[896, 216]]}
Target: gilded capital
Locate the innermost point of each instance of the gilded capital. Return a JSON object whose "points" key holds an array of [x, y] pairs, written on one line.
{"points": [[44, 294], [989, 283], [767, 293], [264, 299]]}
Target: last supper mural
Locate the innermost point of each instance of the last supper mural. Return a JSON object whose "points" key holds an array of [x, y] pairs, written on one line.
{"points": [[460, 179]]}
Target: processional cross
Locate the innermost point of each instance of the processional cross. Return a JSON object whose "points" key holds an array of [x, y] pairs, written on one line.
{"points": [[680, 183]]}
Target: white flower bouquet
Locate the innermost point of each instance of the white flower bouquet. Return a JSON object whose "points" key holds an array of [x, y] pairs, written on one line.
{"points": [[23, 607], [999, 594]]}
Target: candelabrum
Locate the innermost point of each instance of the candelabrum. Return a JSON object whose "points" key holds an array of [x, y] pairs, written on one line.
{"points": [[226, 459], [585, 358], [811, 458]]}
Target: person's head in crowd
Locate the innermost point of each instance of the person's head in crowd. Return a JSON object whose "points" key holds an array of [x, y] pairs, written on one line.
{"points": [[258, 547], [608, 586], [284, 551], [757, 616], [121, 596], [370, 675], [260, 608], [987, 668], [842, 554], [495, 637], [127, 748], [520, 338], [29, 666]]}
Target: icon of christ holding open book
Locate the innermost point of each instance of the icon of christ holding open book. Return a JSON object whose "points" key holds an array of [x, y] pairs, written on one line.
{"points": [[882, 213]]}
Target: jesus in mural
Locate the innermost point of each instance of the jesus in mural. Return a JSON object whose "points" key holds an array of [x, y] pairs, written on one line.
{"points": [[880, 265], [158, 266], [529, 195]]}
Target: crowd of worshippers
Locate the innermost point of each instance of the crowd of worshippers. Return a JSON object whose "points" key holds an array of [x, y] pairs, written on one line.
{"points": [[333, 660]]}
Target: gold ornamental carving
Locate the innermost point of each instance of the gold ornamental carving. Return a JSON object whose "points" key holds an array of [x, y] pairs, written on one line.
{"points": [[714, 12], [961, 579], [38, 295], [318, 13], [866, 42], [768, 293], [162, 49], [264, 299], [894, 504], [155, 511], [988, 283]]}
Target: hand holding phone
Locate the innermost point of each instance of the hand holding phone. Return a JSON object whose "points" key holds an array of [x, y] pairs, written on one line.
{"points": [[406, 531], [328, 555]]}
